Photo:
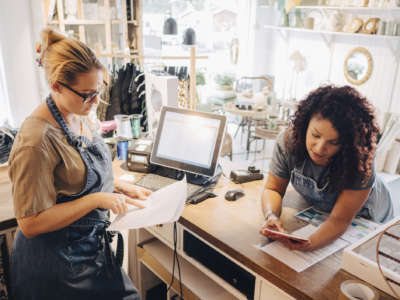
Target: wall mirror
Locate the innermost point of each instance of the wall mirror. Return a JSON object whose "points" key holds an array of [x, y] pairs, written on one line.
{"points": [[358, 66]]}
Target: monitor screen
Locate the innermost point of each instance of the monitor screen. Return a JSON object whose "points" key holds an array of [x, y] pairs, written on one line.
{"points": [[188, 140]]}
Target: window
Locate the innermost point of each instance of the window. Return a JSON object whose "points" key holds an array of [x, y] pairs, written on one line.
{"points": [[215, 25], [4, 100]]}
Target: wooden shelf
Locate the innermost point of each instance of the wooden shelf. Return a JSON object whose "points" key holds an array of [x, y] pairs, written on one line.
{"points": [[158, 258], [130, 30], [86, 22], [373, 36], [379, 10]]}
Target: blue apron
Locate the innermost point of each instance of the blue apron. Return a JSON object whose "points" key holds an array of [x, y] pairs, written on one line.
{"points": [[378, 207], [75, 262]]}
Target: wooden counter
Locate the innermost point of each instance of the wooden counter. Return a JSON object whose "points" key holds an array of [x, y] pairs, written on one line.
{"points": [[233, 228]]}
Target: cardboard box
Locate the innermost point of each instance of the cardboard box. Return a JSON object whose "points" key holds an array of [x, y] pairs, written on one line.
{"points": [[359, 258]]}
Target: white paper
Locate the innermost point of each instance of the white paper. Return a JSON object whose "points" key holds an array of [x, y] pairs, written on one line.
{"points": [[144, 142], [163, 206], [358, 228], [298, 260], [141, 148], [127, 177]]}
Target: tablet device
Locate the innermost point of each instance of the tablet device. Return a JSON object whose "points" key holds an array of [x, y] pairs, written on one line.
{"points": [[283, 235]]}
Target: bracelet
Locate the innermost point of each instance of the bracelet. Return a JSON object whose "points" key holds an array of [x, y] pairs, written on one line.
{"points": [[268, 214]]}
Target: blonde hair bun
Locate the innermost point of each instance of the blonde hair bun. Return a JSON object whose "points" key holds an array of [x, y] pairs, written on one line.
{"points": [[63, 58], [49, 37]]}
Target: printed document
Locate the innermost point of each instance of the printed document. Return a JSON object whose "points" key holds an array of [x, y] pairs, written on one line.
{"points": [[298, 260], [358, 228], [163, 206]]}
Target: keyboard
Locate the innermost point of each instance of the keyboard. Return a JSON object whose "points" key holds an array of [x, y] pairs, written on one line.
{"points": [[155, 182]]}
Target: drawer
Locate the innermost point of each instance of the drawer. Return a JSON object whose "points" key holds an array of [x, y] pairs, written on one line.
{"points": [[165, 232], [271, 292]]}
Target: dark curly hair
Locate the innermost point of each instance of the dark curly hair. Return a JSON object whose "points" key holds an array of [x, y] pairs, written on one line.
{"points": [[353, 117]]}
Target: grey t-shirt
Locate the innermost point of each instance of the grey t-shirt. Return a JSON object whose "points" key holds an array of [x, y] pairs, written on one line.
{"points": [[283, 162], [378, 207]]}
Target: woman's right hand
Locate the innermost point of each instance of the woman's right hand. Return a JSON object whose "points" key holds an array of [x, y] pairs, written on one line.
{"points": [[273, 223], [117, 203]]}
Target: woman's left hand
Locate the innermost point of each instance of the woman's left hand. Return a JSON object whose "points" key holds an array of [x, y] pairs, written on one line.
{"points": [[300, 246], [132, 191]]}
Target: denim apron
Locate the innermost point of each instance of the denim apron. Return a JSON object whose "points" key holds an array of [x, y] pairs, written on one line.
{"points": [[378, 207], [75, 262]]}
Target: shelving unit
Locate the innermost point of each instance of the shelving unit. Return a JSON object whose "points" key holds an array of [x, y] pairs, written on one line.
{"points": [[196, 285], [110, 27], [393, 42], [154, 253], [373, 36]]}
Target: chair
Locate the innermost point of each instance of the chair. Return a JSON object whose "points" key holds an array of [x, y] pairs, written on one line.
{"points": [[227, 146], [267, 131]]}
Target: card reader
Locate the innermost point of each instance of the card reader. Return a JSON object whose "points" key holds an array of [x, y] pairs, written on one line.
{"points": [[242, 176]]}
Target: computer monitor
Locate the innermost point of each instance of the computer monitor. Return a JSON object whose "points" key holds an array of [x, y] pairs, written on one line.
{"points": [[188, 140]]}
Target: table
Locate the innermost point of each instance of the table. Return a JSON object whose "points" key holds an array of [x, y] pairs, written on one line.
{"points": [[249, 118]]}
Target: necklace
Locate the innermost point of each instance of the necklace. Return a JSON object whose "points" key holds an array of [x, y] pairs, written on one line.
{"points": [[81, 127]]}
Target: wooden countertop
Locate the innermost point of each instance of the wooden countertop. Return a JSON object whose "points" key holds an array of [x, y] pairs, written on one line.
{"points": [[233, 228]]}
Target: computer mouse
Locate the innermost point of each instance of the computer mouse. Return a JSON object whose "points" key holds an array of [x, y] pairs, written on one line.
{"points": [[233, 195]]}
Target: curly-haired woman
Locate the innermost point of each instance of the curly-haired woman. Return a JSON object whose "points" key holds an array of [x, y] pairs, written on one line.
{"points": [[328, 156]]}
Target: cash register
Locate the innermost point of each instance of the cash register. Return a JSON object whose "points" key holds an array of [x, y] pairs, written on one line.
{"points": [[187, 143]]}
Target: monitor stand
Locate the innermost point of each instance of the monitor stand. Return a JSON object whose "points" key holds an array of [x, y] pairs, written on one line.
{"points": [[190, 177]]}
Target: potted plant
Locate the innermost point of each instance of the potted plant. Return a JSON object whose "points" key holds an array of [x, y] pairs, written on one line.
{"points": [[200, 83], [224, 81]]}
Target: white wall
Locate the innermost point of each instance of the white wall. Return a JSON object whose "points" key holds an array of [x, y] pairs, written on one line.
{"points": [[325, 63], [18, 54]]}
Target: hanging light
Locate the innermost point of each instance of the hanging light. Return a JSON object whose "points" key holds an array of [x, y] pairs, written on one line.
{"points": [[170, 26], [189, 37]]}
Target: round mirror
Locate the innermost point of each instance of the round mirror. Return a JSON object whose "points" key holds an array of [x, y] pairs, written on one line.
{"points": [[358, 66]]}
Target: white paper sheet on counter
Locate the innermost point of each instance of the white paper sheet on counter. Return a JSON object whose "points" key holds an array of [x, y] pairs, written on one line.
{"points": [[163, 206], [298, 260]]}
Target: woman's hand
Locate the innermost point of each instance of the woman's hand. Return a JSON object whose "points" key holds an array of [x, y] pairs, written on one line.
{"points": [[117, 203], [272, 222], [131, 190], [298, 245]]}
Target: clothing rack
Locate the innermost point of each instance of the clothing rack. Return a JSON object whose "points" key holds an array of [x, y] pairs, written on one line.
{"points": [[192, 58]]}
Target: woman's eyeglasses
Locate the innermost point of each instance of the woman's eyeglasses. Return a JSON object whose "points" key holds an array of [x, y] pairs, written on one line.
{"points": [[86, 97]]}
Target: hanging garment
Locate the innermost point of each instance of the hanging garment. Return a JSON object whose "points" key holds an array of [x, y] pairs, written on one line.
{"points": [[115, 107], [7, 136]]}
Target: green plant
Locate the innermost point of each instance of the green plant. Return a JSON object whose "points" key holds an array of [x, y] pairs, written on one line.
{"points": [[224, 79], [200, 78]]}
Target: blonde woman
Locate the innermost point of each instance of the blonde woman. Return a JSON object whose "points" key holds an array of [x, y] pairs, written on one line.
{"points": [[63, 187]]}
